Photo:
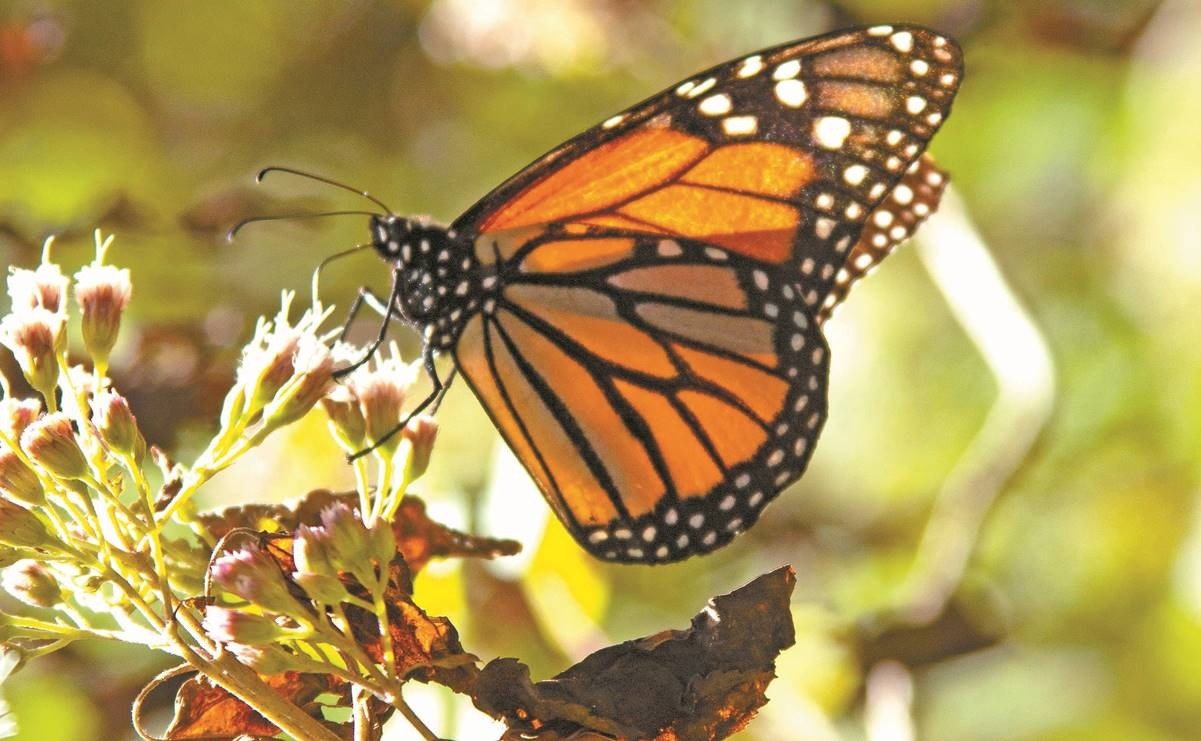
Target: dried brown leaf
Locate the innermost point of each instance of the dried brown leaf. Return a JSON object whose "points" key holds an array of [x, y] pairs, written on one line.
{"points": [[418, 538], [204, 710], [703, 683]]}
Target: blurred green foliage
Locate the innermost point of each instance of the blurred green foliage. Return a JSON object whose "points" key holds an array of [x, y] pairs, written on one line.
{"points": [[1073, 143]]}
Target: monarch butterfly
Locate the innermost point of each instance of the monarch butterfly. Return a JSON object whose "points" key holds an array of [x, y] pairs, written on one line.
{"points": [[640, 309]]}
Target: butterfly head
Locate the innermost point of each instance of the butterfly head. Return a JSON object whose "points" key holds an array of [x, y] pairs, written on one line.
{"points": [[433, 268]]}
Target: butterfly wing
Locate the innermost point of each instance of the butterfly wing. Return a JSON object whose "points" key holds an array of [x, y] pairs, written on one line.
{"points": [[907, 205], [780, 156], [660, 392], [654, 356]]}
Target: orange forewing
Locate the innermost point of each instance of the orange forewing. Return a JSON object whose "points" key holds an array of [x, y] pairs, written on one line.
{"points": [[609, 174]]}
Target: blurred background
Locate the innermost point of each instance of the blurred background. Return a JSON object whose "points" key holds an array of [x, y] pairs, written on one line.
{"points": [[999, 536]]}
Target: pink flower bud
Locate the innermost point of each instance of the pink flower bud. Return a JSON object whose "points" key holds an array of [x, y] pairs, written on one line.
{"points": [[346, 415], [102, 292], [312, 552], [348, 542], [32, 583], [117, 426], [20, 528], [50, 442], [382, 397], [237, 626], [421, 432], [313, 374], [18, 481], [255, 577], [267, 659], [16, 415], [43, 287], [35, 336]]}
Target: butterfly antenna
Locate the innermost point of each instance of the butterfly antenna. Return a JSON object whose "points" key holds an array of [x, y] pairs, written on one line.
{"points": [[322, 179], [233, 230]]}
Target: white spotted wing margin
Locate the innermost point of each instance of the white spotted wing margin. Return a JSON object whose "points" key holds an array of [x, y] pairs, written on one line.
{"points": [[675, 449]]}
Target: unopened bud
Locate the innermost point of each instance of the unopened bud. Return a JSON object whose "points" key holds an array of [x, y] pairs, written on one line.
{"points": [[255, 577], [21, 528], [311, 551], [328, 590], [117, 426], [381, 543], [348, 543], [35, 336], [16, 415], [32, 583], [345, 416], [18, 481], [237, 626], [102, 292], [267, 660], [51, 443], [420, 432]]}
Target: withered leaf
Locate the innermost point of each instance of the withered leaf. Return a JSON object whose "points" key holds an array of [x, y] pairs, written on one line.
{"points": [[204, 710], [699, 684], [418, 538]]}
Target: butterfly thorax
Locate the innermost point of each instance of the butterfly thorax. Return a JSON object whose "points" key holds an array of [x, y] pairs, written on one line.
{"points": [[438, 281]]}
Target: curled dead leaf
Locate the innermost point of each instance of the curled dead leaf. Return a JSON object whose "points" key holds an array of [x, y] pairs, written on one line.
{"points": [[699, 684]]}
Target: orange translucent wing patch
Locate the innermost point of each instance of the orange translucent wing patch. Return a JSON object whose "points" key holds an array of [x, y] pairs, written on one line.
{"points": [[747, 336], [575, 255], [734, 434], [691, 469], [757, 167], [591, 319], [621, 454], [755, 227], [609, 174], [865, 62], [709, 284], [565, 479], [856, 99], [760, 391]]}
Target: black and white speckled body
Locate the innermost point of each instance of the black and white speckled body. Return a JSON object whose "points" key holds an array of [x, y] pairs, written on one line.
{"points": [[439, 281]]}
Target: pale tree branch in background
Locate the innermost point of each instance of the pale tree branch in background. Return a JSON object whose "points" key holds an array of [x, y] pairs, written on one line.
{"points": [[1018, 356]]}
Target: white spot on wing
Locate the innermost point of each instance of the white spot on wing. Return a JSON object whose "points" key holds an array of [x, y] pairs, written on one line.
{"points": [[902, 41], [787, 70], [715, 105], [854, 174], [702, 87], [831, 131], [740, 125], [751, 66], [791, 93]]}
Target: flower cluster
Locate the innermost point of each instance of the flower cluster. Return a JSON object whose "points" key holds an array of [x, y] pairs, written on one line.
{"points": [[84, 533], [274, 609]]}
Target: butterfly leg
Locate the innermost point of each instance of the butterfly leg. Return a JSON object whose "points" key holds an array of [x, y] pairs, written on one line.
{"points": [[431, 401], [367, 298]]}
